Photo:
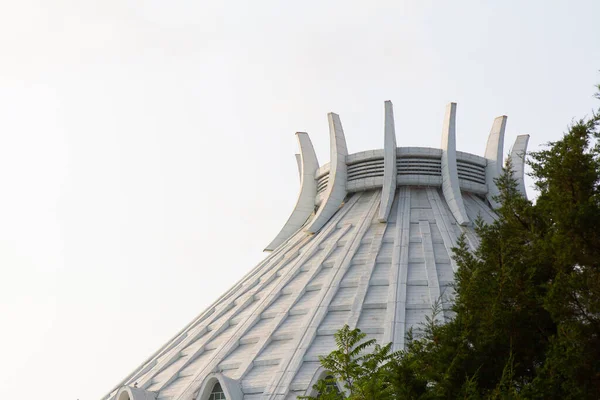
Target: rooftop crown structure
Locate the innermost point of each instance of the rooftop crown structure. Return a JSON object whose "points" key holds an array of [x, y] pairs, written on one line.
{"points": [[368, 244]]}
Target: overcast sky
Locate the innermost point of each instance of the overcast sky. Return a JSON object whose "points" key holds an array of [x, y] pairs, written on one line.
{"points": [[147, 147]]}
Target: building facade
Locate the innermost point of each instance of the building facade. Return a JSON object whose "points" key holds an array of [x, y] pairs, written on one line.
{"points": [[368, 244]]}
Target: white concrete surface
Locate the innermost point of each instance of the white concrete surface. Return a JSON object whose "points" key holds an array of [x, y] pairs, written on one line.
{"points": [[494, 154], [230, 387], [389, 161], [299, 165], [134, 393], [450, 184], [336, 187], [517, 156], [267, 332], [308, 191]]}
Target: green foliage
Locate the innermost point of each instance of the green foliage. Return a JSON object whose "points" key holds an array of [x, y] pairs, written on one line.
{"points": [[364, 374], [568, 178], [527, 307], [326, 390]]}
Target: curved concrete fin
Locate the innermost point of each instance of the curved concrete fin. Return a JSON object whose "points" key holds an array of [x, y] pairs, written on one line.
{"points": [[494, 156], [305, 204], [299, 162], [338, 174], [450, 185], [389, 163], [517, 156]]}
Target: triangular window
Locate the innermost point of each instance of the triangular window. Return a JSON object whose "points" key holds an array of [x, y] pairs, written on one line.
{"points": [[217, 393]]}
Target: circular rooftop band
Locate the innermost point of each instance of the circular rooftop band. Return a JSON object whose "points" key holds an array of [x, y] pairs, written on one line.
{"points": [[416, 166], [323, 189]]}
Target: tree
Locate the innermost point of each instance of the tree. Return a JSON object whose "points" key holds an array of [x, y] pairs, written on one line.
{"points": [[363, 374], [568, 179]]}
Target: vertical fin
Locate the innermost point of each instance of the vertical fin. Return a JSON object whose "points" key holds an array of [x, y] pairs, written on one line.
{"points": [[308, 191], [299, 162], [338, 174], [431, 269], [389, 163], [450, 186], [517, 156], [395, 312], [494, 155]]}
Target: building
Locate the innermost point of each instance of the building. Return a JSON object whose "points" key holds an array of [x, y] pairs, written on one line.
{"points": [[368, 244]]}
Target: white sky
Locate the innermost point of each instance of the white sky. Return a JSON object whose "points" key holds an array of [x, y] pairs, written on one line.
{"points": [[147, 147]]}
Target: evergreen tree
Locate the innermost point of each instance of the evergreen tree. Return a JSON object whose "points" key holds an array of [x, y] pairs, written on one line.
{"points": [[568, 178]]}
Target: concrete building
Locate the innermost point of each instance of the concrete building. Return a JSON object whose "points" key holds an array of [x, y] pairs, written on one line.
{"points": [[368, 244]]}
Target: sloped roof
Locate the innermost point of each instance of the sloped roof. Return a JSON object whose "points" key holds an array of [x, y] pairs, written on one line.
{"points": [[268, 330]]}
